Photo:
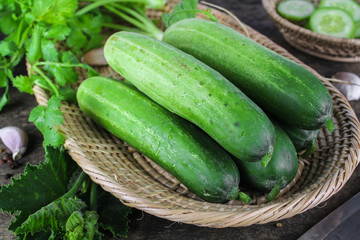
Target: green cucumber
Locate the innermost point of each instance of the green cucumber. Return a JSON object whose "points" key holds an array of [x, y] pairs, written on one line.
{"points": [[173, 143], [296, 10], [278, 85], [303, 140], [357, 30], [332, 21], [279, 172], [350, 6], [194, 91]]}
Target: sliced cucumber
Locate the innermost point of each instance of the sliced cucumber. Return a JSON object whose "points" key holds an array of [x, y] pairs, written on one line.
{"points": [[332, 21], [296, 10], [357, 30], [351, 6]]}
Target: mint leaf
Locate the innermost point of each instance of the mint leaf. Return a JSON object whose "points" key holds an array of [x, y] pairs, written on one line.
{"points": [[38, 186], [54, 216], [183, 10]]}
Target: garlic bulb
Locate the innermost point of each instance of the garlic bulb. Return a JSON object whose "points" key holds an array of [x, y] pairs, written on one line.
{"points": [[15, 139], [350, 86], [95, 57]]}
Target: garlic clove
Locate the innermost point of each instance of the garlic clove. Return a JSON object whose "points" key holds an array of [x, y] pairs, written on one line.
{"points": [[95, 57], [15, 139], [350, 86]]}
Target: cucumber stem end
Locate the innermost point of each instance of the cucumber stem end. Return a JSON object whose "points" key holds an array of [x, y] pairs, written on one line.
{"points": [[330, 125]]}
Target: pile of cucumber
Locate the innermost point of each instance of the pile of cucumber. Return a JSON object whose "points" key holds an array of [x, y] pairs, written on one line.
{"points": [[338, 18], [210, 106]]}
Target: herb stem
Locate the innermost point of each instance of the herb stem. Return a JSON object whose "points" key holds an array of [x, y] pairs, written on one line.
{"points": [[58, 64], [75, 187], [127, 18], [14, 58], [102, 3], [51, 84], [93, 196]]}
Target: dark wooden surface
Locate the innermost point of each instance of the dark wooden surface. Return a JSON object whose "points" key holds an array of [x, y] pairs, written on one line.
{"points": [[145, 226]]}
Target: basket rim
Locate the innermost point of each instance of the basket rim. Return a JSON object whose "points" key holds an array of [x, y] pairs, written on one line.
{"points": [[270, 7], [219, 215]]}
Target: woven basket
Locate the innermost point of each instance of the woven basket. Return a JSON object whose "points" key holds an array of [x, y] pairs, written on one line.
{"points": [[139, 183], [319, 45]]}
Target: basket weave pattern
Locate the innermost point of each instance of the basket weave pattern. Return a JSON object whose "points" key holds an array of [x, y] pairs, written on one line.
{"points": [[137, 182], [319, 45]]}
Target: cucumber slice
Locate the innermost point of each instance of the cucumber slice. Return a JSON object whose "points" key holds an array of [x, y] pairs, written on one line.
{"points": [[351, 6], [296, 10], [357, 30], [332, 21]]}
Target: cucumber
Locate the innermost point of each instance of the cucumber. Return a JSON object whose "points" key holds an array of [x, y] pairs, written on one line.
{"points": [[357, 30], [279, 172], [350, 6], [332, 21], [278, 85], [173, 143], [194, 91], [303, 140], [296, 10]]}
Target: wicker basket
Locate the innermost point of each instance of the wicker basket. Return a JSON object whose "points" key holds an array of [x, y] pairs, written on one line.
{"points": [[137, 182], [319, 45]]}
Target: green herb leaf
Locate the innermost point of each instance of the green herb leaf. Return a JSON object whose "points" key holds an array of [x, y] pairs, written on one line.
{"points": [[82, 226], [54, 11], [7, 48], [76, 41], [38, 186], [53, 137], [46, 118], [57, 32], [34, 51], [113, 215], [54, 216], [23, 83], [49, 52], [7, 24], [5, 98], [181, 11]]}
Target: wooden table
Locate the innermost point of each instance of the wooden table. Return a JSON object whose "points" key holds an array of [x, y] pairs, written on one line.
{"points": [[145, 226]]}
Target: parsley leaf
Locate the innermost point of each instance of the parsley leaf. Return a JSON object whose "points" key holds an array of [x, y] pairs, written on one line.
{"points": [[183, 10], [7, 48], [23, 83], [46, 118], [57, 32], [54, 11]]}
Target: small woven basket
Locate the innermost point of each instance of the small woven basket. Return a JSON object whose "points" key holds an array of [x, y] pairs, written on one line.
{"points": [[139, 183], [319, 45]]}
